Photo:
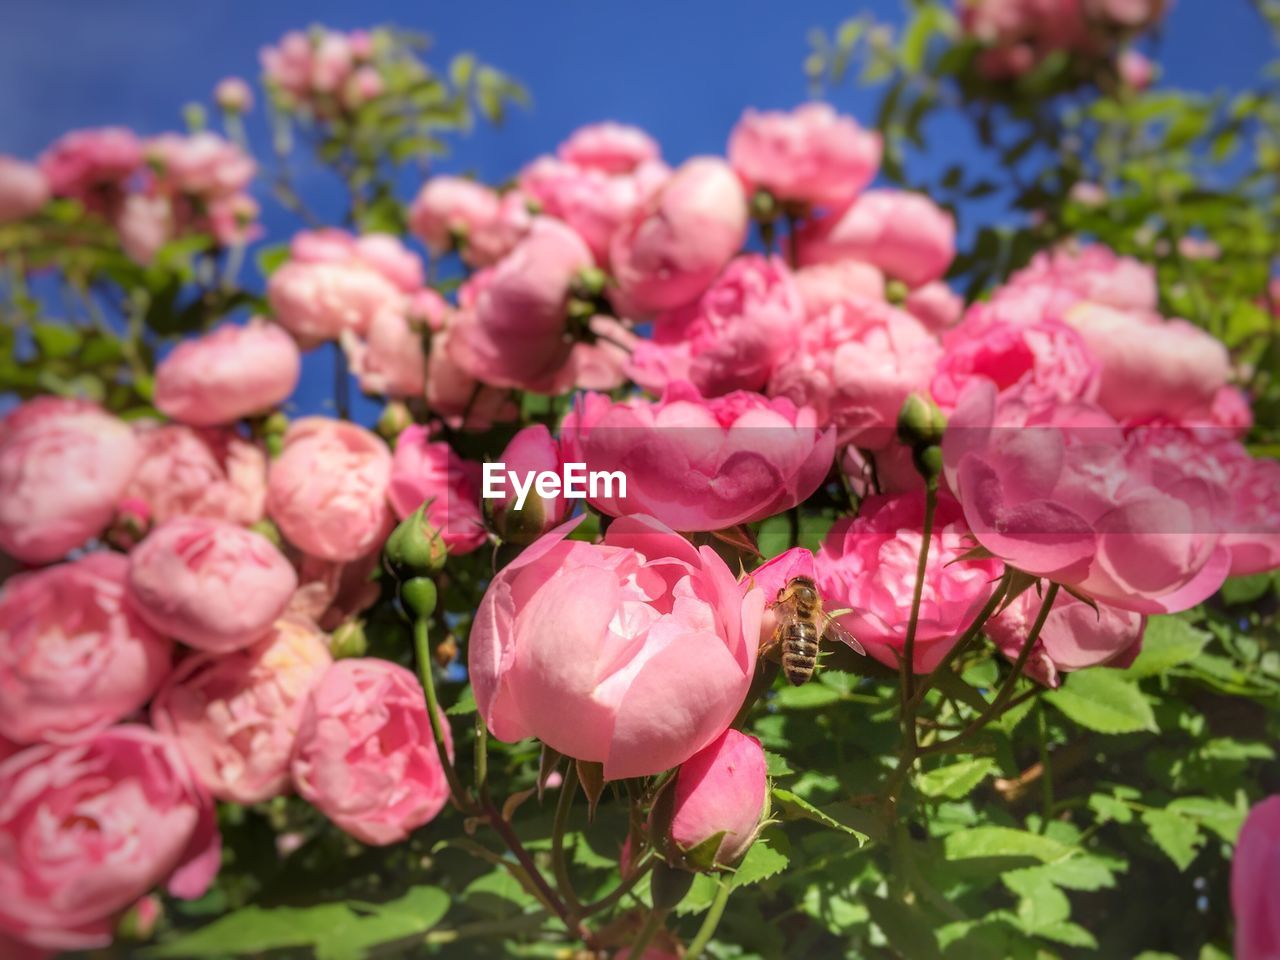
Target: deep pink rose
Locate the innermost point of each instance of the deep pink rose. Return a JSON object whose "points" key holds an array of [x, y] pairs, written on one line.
{"points": [[83, 162], [63, 466], [811, 155], [532, 450], [422, 471], [208, 583], [635, 653], [365, 756], [730, 338], [680, 240], [23, 189], [868, 565], [1060, 492], [905, 234], [74, 658], [205, 473], [90, 827], [699, 464], [1255, 896], [855, 365], [230, 373], [327, 489], [236, 716], [824, 285], [720, 790], [609, 147], [1093, 273]]}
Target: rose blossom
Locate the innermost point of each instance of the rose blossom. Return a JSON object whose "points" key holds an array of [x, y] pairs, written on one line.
{"points": [[208, 583], [905, 234], [719, 790], [1255, 897], [811, 155], [23, 189], [935, 305], [531, 451], [389, 358], [230, 373], [451, 208], [868, 564], [145, 224], [700, 464], [730, 338], [422, 471], [824, 285], [80, 163], [635, 653], [609, 147], [327, 489], [211, 473], [1094, 273], [456, 396], [682, 237], [63, 465], [200, 164], [365, 756], [236, 716], [234, 95], [90, 827], [855, 365], [74, 657]]}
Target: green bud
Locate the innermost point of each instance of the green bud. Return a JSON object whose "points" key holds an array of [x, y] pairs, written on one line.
{"points": [[269, 530], [195, 117], [415, 546], [419, 596], [590, 283], [348, 640], [920, 422], [895, 291], [395, 417], [928, 461], [764, 206], [521, 527]]}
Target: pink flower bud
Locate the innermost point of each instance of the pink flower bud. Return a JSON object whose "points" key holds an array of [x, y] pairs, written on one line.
{"points": [[233, 95], [23, 189], [719, 790]]}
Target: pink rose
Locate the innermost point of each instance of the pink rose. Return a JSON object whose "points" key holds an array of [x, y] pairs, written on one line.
{"points": [[699, 464], [682, 237], [233, 95], [935, 305], [63, 466], [365, 756], [532, 450], [730, 338], [855, 365], [83, 161], [454, 211], [1255, 897], [868, 564], [905, 234], [459, 398], [811, 155], [90, 827], [327, 489], [719, 790], [317, 301], [230, 373], [23, 189], [613, 148], [1060, 492], [1135, 70], [1093, 273], [1253, 531], [772, 576], [1074, 635], [200, 164], [635, 653], [824, 285], [236, 716], [74, 658], [514, 332], [390, 358], [423, 471], [212, 585], [205, 473], [145, 224]]}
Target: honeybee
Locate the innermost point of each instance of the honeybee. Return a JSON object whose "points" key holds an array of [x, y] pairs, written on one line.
{"points": [[802, 626]]}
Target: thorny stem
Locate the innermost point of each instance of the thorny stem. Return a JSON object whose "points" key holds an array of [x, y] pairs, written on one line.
{"points": [[422, 648], [907, 667], [709, 924], [564, 806]]}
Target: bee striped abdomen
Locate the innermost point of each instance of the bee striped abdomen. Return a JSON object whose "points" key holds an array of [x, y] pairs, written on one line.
{"points": [[799, 651]]}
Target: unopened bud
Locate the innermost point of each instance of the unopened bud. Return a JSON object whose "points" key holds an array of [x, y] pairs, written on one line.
{"points": [[590, 283], [233, 95], [419, 596], [195, 117], [764, 206], [928, 461], [348, 640], [395, 417], [415, 546], [895, 291], [139, 923], [920, 422]]}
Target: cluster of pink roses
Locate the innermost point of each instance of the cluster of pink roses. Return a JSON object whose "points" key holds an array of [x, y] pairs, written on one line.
{"points": [[322, 71]]}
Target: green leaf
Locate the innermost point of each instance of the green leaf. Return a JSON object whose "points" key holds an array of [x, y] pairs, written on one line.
{"points": [[761, 862], [1101, 700], [989, 841], [1168, 642], [270, 258], [466, 704], [809, 696], [1110, 808], [1072, 934], [1217, 815], [776, 764], [797, 808], [955, 780], [909, 932], [56, 341], [1176, 835]]}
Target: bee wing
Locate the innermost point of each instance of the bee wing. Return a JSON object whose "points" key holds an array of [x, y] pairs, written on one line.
{"points": [[835, 630]]}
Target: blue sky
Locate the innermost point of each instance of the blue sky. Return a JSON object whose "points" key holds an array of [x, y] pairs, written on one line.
{"points": [[682, 69]]}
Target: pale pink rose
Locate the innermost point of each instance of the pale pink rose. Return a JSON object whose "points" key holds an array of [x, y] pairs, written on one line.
{"points": [[63, 466], [459, 398], [385, 253], [424, 471], [365, 756], [719, 790], [1094, 273], [492, 240], [145, 224], [855, 365], [327, 489], [905, 234], [201, 164], [935, 305], [1059, 491], [318, 301], [208, 583], [1171, 369], [206, 473], [1088, 194], [531, 451], [74, 658], [234, 95], [1127, 14], [600, 362], [1048, 361], [232, 219], [730, 338], [811, 155], [236, 716], [824, 285], [230, 373], [514, 332], [1255, 896], [868, 565], [331, 592], [682, 237], [90, 827], [609, 147], [390, 358], [699, 464], [635, 653], [447, 209], [362, 86], [83, 162], [23, 189], [1136, 71]]}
